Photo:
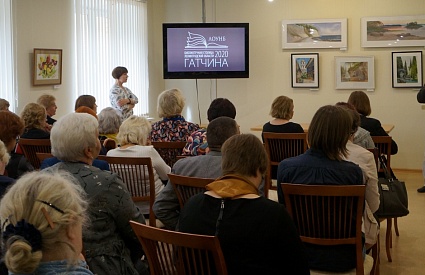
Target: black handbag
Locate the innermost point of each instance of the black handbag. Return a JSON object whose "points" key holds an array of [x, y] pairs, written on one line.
{"points": [[393, 196]]}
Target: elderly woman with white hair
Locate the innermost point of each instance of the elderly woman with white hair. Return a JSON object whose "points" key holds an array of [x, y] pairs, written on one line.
{"points": [[110, 245], [42, 218], [134, 139]]}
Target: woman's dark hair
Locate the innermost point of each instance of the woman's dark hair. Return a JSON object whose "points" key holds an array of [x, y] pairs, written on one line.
{"points": [[85, 100], [221, 107], [118, 72], [330, 130], [360, 101]]}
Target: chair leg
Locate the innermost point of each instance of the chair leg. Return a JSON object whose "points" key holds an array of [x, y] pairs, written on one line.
{"points": [[396, 227], [388, 239], [376, 258]]}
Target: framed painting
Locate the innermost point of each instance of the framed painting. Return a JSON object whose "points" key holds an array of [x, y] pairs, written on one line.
{"points": [[407, 69], [314, 34], [47, 67], [356, 72], [394, 31], [305, 70]]}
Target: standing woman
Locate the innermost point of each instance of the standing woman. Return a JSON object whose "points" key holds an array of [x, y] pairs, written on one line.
{"points": [[121, 97]]}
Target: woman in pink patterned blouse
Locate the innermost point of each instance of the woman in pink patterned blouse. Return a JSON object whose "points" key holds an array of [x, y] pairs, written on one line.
{"points": [[173, 126]]}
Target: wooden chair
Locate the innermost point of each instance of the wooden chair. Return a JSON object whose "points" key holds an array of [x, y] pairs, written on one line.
{"points": [[137, 174], [169, 150], [43, 156], [32, 146], [171, 252], [186, 187], [280, 146], [328, 215]]}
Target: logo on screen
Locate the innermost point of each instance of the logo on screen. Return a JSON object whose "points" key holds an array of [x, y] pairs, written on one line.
{"points": [[198, 41]]}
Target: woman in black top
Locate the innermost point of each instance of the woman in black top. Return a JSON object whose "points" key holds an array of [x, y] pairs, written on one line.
{"points": [[361, 102], [282, 110]]}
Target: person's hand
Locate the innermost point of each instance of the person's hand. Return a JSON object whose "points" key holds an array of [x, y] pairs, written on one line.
{"points": [[124, 101]]}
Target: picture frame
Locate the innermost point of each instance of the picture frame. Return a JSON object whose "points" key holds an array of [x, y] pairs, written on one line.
{"points": [[393, 31], [314, 34], [407, 69], [47, 67], [305, 70], [355, 72]]}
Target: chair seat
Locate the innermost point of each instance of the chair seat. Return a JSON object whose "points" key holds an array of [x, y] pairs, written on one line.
{"points": [[367, 267]]}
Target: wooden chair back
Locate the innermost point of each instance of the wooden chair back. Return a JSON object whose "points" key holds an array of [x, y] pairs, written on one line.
{"points": [[30, 148], [383, 143], [186, 187], [328, 214], [280, 146], [138, 176], [171, 252], [169, 150], [43, 156]]}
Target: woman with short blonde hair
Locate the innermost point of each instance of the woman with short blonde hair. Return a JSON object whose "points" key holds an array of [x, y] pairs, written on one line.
{"points": [[133, 137], [173, 126]]}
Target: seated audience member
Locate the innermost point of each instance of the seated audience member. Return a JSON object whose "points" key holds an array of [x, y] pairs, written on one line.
{"points": [[323, 164], [360, 101], [5, 181], [109, 123], [42, 217], [34, 117], [197, 142], [257, 235], [166, 206], [366, 161], [87, 101], [361, 136], [11, 127], [4, 105], [282, 110], [49, 103], [173, 126], [133, 137], [110, 245]]}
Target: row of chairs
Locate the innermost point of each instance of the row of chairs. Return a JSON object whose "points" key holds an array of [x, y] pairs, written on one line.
{"points": [[31, 147]]}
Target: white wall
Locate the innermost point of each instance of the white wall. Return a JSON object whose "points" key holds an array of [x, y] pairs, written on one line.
{"points": [[48, 24], [270, 65]]}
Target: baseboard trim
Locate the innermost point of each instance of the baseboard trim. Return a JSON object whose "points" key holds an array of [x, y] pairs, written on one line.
{"points": [[407, 170]]}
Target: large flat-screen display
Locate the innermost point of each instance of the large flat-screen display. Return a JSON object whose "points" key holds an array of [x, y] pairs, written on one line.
{"points": [[206, 50]]}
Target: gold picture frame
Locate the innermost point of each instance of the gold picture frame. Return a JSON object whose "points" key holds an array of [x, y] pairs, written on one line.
{"points": [[47, 67]]}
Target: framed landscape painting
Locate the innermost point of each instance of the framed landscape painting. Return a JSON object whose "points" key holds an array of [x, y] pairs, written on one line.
{"points": [[407, 69], [319, 33], [47, 67], [305, 70], [355, 72], [396, 31]]}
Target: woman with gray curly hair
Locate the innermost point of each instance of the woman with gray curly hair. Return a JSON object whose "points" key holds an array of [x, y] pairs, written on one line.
{"points": [[42, 218], [110, 245]]}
